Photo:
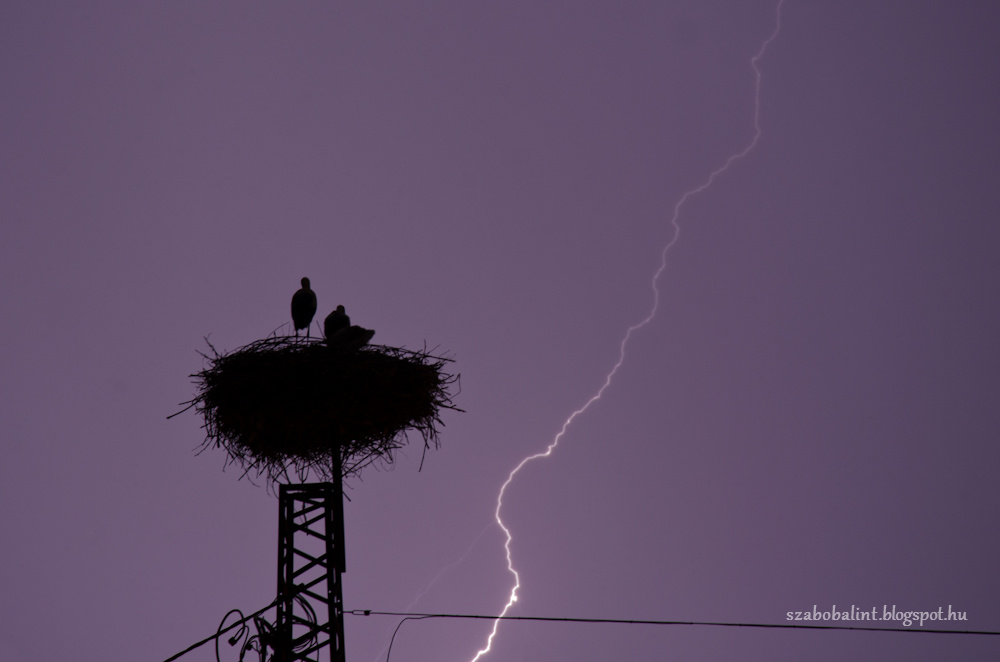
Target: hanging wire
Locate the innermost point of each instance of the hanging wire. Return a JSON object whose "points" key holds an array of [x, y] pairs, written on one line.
{"points": [[407, 616], [621, 621], [222, 631]]}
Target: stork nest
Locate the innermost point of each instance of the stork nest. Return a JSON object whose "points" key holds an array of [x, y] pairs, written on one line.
{"points": [[287, 406]]}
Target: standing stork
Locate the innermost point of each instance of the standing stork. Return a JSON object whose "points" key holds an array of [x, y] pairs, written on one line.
{"points": [[303, 308]]}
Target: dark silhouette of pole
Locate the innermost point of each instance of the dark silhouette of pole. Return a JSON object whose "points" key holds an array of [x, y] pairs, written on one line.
{"points": [[310, 562]]}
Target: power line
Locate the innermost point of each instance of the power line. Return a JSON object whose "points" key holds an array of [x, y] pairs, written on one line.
{"points": [[221, 632], [786, 626], [620, 621]]}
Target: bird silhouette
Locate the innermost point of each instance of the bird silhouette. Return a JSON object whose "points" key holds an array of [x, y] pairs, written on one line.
{"points": [[335, 321], [342, 334], [303, 307]]}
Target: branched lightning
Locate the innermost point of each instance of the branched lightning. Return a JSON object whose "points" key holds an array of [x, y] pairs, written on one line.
{"points": [[632, 329]]}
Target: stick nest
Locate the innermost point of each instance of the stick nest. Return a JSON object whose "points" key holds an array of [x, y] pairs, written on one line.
{"points": [[287, 405]]}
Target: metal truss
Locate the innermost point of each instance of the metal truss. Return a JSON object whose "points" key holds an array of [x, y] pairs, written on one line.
{"points": [[310, 562]]}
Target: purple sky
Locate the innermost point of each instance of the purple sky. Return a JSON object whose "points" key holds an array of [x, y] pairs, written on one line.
{"points": [[810, 419]]}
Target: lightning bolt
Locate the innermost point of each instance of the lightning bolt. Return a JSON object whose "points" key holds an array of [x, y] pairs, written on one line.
{"points": [[631, 330], [434, 581]]}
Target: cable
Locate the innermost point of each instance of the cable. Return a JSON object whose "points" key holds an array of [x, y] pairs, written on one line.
{"points": [[787, 626], [221, 631], [621, 621], [388, 651]]}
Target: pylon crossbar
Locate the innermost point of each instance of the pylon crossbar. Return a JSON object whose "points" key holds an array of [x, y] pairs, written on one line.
{"points": [[310, 532], [313, 561], [315, 596]]}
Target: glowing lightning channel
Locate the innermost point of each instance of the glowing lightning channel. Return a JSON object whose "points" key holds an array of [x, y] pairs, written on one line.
{"points": [[632, 329]]}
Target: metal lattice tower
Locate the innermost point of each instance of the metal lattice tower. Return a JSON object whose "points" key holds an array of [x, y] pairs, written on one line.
{"points": [[310, 561]]}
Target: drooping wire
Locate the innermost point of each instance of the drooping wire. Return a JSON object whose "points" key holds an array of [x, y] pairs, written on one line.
{"points": [[222, 631], [622, 621], [243, 633], [388, 652], [417, 616]]}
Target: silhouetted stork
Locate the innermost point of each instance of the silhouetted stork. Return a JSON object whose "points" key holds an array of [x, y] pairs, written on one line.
{"points": [[335, 321], [303, 307], [342, 334]]}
